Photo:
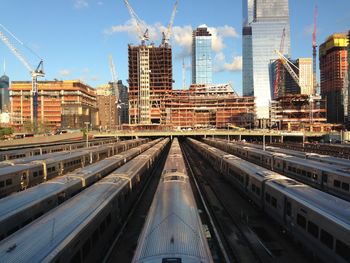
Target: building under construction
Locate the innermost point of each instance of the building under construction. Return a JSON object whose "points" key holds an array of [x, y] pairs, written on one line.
{"points": [[203, 106], [150, 80], [299, 112]]}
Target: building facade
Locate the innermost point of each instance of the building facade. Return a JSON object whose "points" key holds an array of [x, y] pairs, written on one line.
{"points": [[123, 107], [208, 106], [4, 93], [150, 79], [202, 70], [287, 85], [264, 22], [107, 107], [333, 55], [61, 104]]}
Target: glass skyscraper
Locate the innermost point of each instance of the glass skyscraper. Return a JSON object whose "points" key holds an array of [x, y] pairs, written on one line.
{"points": [[201, 56], [4, 93], [263, 25]]}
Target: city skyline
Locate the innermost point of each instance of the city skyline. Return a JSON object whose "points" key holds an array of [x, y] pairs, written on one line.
{"points": [[77, 38]]}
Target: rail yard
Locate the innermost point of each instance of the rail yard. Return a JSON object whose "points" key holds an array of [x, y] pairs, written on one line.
{"points": [[173, 199]]}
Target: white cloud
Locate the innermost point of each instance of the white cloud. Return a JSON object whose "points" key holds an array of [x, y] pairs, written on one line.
{"points": [[64, 72], [221, 65], [80, 4]]}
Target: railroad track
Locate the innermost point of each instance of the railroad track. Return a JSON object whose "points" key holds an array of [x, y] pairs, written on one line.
{"points": [[239, 243], [122, 249]]}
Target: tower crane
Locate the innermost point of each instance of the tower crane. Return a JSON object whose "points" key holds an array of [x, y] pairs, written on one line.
{"points": [[278, 72], [114, 78], [142, 33], [35, 73], [314, 52], [168, 32]]}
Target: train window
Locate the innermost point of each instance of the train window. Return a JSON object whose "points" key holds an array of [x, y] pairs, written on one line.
{"points": [[35, 174], [8, 181], [345, 186], [2, 183], [324, 178], [253, 187], [109, 219], [326, 239], [342, 249], [273, 202], [102, 227], [41, 172], [303, 172], [267, 197], [49, 170], [171, 260], [301, 221], [53, 168], [314, 176], [294, 169], [86, 249], [336, 183], [76, 258], [258, 191], [308, 174], [288, 209], [95, 237], [298, 171], [312, 228]]}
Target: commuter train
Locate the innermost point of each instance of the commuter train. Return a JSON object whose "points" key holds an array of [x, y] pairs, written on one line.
{"points": [[82, 228], [54, 147], [173, 230], [31, 171], [317, 220], [20, 209], [344, 163], [333, 179]]}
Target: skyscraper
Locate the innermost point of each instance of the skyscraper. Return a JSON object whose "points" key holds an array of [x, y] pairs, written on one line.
{"points": [[263, 25], [201, 56], [4, 93], [333, 66]]}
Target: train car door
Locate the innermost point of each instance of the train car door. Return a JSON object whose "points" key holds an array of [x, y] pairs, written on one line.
{"points": [[287, 214], [24, 180]]}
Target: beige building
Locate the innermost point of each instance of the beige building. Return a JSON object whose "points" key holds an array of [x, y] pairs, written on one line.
{"points": [[61, 104], [107, 107], [305, 75]]}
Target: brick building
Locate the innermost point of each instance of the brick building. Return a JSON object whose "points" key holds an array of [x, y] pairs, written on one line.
{"points": [[61, 104]]}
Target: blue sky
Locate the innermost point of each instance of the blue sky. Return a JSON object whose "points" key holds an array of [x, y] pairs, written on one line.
{"points": [[75, 37]]}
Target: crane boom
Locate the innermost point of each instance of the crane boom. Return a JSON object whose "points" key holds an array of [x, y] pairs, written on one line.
{"points": [[167, 34], [287, 64], [143, 35], [112, 68], [38, 72], [278, 71]]}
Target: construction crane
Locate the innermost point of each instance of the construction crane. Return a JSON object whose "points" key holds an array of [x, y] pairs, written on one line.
{"points": [[35, 73], [278, 71], [140, 26], [314, 52], [116, 92], [168, 32]]}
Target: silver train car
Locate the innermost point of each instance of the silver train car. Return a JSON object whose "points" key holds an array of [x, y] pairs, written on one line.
{"points": [[21, 176], [81, 229], [333, 179], [317, 220], [54, 147], [173, 230], [345, 163], [20, 209]]}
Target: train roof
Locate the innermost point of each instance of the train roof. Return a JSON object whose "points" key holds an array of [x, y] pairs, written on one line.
{"points": [[326, 204], [54, 230], [16, 168], [65, 156], [35, 158], [31, 196], [173, 228]]}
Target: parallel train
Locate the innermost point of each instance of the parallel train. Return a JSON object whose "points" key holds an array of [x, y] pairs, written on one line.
{"points": [[341, 162], [82, 228], [55, 147], [27, 173], [329, 178], [317, 220], [20, 209], [173, 230]]}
